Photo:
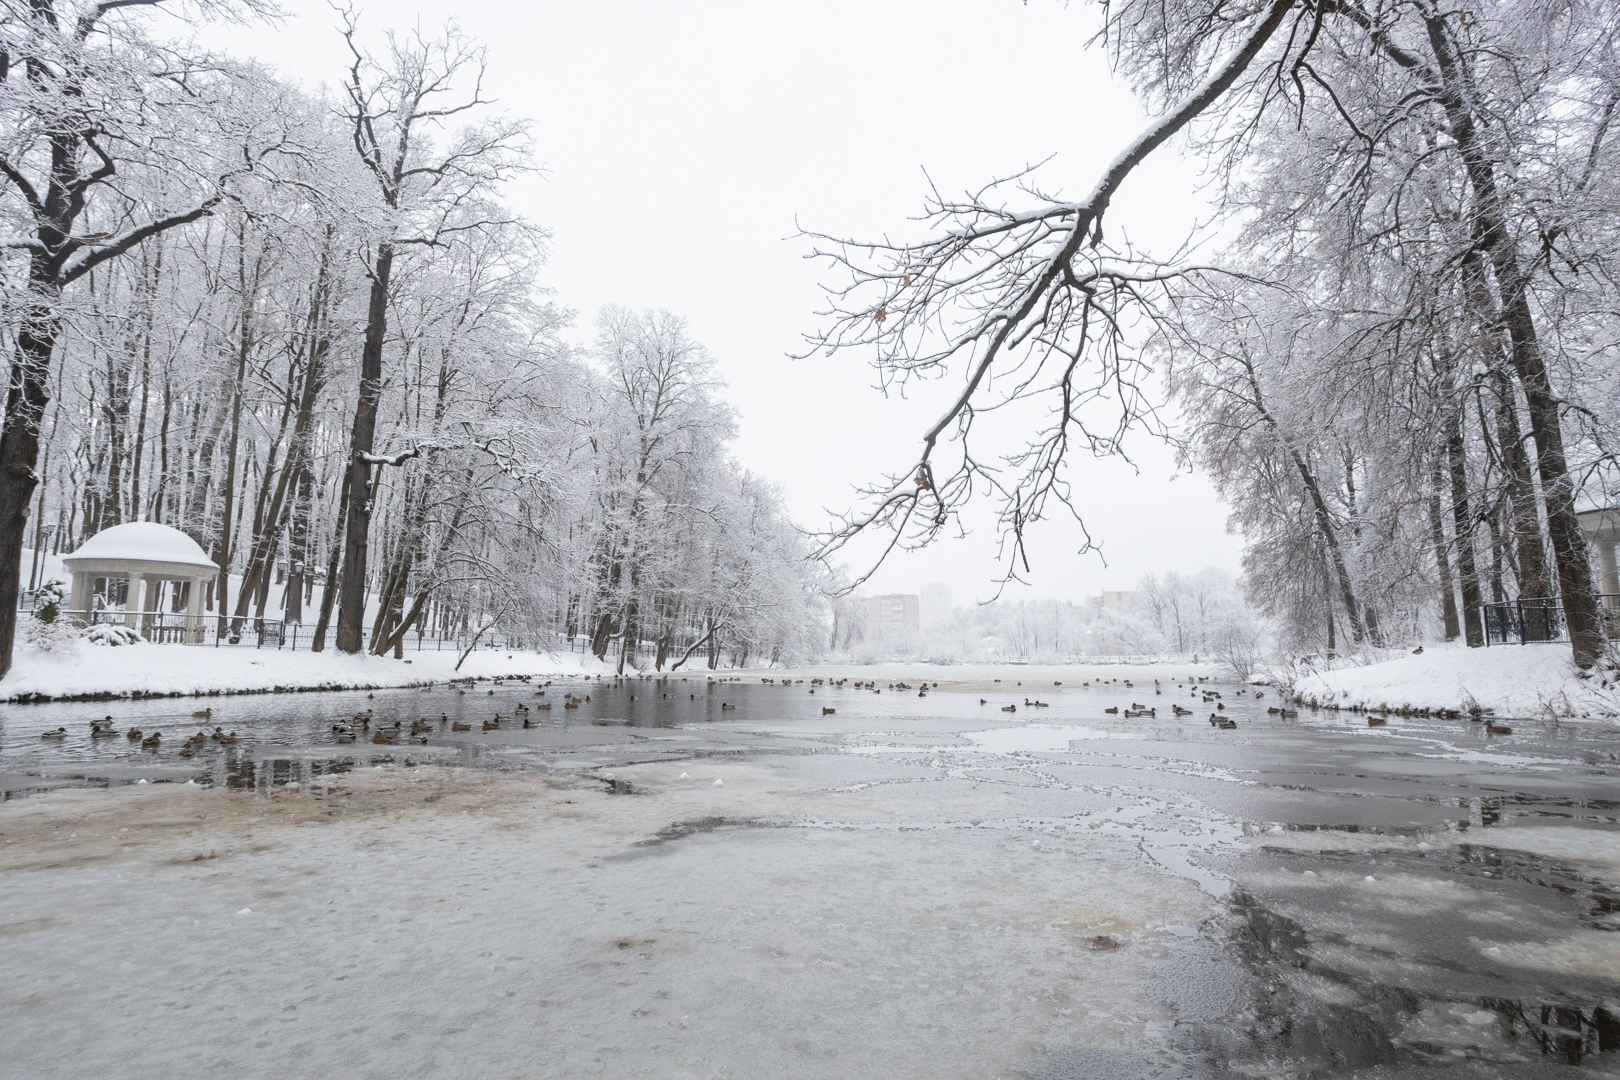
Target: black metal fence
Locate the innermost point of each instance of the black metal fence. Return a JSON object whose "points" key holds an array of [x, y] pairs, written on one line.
{"points": [[224, 631], [1524, 621]]}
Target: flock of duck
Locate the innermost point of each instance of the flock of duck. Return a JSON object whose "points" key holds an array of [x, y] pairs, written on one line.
{"points": [[348, 731], [105, 729]]}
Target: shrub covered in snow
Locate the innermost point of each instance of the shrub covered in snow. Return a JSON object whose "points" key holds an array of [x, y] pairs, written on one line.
{"points": [[42, 636], [48, 601], [108, 634]]}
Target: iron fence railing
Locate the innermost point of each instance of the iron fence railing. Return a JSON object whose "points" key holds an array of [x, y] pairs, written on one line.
{"points": [[1524, 621], [225, 631], [164, 627]]}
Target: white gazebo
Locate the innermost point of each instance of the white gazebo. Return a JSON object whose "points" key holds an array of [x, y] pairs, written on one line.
{"points": [[1601, 527], [141, 552]]}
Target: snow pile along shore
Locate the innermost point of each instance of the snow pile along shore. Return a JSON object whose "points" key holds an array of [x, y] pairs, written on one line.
{"points": [[80, 669], [1509, 680]]}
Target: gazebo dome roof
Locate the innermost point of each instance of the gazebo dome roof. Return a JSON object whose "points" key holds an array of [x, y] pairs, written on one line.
{"points": [[142, 542]]}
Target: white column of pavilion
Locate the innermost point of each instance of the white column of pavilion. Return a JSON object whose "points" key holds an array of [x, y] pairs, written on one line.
{"points": [[141, 552], [1602, 530]]}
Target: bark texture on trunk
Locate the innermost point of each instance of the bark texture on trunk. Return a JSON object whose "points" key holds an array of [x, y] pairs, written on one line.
{"points": [[352, 591], [1437, 530], [26, 399]]}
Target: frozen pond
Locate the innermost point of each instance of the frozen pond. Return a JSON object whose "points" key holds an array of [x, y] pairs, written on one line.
{"points": [[690, 878]]}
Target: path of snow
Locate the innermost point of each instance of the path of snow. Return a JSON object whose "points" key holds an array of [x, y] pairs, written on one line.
{"points": [[1508, 680], [82, 669]]}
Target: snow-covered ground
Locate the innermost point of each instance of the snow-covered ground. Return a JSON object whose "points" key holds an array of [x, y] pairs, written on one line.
{"points": [[1003, 677], [80, 669], [1506, 680]]}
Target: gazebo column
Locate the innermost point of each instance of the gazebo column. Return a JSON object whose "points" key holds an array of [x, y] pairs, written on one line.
{"points": [[153, 620], [79, 595], [132, 601], [1608, 572], [194, 610]]}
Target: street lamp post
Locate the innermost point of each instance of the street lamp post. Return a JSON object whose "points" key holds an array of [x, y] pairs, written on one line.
{"points": [[45, 533]]}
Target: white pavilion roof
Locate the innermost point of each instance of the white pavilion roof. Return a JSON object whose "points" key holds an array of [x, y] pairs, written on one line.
{"points": [[142, 541]]}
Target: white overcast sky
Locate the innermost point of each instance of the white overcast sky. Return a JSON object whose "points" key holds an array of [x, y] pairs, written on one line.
{"points": [[685, 144]]}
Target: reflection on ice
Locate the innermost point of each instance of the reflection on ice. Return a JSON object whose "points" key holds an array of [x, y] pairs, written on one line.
{"points": [[1042, 738]]}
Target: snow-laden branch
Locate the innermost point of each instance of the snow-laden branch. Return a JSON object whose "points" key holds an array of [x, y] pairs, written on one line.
{"points": [[1031, 299]]}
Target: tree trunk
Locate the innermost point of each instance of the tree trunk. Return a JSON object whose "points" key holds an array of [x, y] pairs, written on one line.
{"points": [[1437, 530], [329, 593], [352, 602], [298, 544], [1462, 527], [26, 399], [244, 348]]}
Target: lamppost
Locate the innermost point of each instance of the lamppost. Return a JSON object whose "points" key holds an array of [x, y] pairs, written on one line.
{"points": [[45, 532]]}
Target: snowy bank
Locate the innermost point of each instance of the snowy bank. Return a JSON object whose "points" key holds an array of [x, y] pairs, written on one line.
{"points": [[1508, 681], [80, 669]]}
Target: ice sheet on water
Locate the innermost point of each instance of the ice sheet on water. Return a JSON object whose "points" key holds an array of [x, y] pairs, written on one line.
{"points": [[537, 939], [1039, 738]]}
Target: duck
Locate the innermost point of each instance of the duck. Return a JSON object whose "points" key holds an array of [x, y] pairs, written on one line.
{"points": [[827, 712], [134, 734], [59, 733], [984, 701], [1492, 728], [459, 726], [1376, 721], [419, 726], [152, 741], [1009, 708], [203, 714], [419, 739], [1112, 711], [343, 734], [1227, 724], [1179, 711], [383, 738], [724, 706], [229, 740], [188, 751], [219, 734], [530, 723], [492, 725]]}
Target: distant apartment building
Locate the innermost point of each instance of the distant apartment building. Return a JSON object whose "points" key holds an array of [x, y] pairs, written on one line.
{"points": [[934, 606], [893, 614], [1111, 601]]}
